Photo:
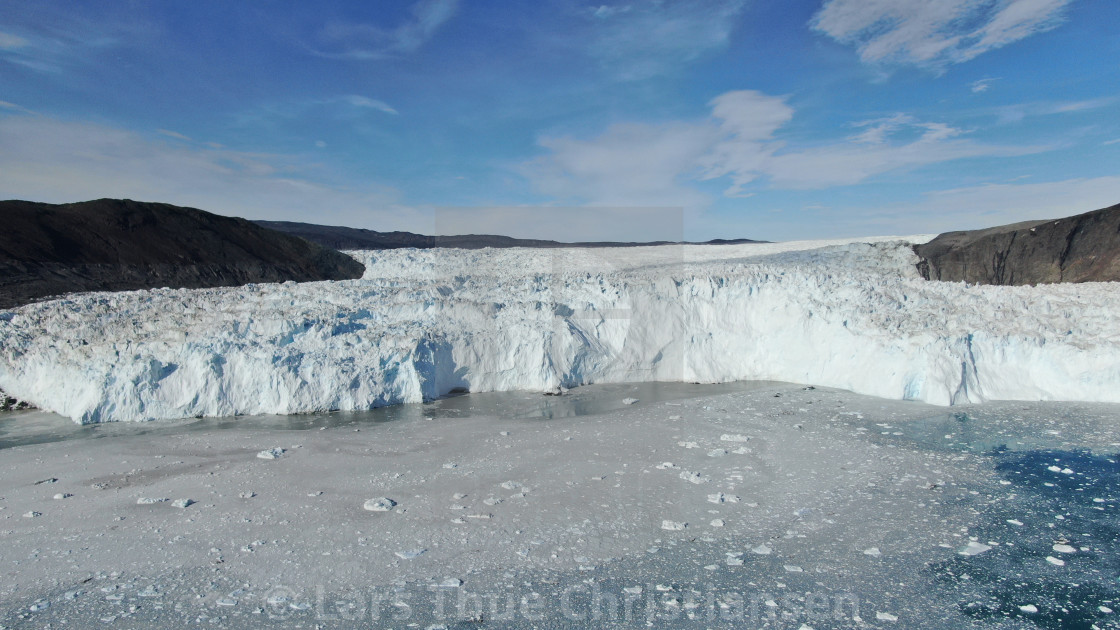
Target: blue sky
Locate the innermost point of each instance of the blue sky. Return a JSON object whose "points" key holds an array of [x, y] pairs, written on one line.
{"points": [[638, 119]]}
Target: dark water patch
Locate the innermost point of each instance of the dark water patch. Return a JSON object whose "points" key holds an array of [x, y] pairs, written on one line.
{"points": [[1054, 560]]}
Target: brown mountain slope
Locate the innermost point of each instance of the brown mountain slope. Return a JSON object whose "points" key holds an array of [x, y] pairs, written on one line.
{"points": [[115, 245], [1082, 248]]}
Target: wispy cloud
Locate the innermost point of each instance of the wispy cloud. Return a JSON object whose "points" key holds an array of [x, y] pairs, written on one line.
{"points": [[933, 33], [1016, 113], [46, 159], [373, 41], [641, 163], [369, 103], [982, 85], [16, 108], [51, 39], [648, 37], [629, 164], [173, 134], [9, 41], [988, 205]]}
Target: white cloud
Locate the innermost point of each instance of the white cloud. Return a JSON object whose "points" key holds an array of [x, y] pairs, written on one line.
{"points": [[748, 120], [172, 134], [643, 163], [56, 161], [982, 85], [369, 103], [369, 41], [989, 205], [1016, 113], [9, 41], [874, 152], [629, 164], [933, 32], [648, 37]]}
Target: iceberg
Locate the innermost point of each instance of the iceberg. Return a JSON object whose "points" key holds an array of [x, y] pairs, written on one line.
{"points": [[419, 324]]}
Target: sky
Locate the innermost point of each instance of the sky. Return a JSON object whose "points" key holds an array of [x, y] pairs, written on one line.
{"points": [[628, 120]]}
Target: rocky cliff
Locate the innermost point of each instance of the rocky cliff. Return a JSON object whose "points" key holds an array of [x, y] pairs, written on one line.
{"points": [[117, 245], [1082, 248]]}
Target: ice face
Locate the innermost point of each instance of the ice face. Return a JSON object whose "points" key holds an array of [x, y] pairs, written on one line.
{"points": [[421, 324]]}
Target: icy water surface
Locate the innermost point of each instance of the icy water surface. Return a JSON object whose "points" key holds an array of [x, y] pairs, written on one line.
{"points": [[21, 428], [847, 512]]}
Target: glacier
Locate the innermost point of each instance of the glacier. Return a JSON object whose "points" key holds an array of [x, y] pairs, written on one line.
{"points": [[849, 314]]}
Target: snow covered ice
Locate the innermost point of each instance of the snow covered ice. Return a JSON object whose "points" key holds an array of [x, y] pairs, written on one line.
{"points": [[423, 323]]}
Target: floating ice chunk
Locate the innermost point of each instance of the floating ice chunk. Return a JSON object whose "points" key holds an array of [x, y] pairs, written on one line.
{"points": [[793, 568], [761, 550], [974, 548], [1055, 561], [182, 503], [694, 477], [674, 417], [450, 583], [62, 495], [409, 554], [1029, 608], [665, 465], [272, 453], [885, 616], [510, 485], [381, 504], [717, 452], [632, 590], [733, 561], [673, 526], [716, 522], [720, 497], [734, 437], [39, 605], [629, 401], [688, 444], [1016, 522], [1105, 609], [872, 551], [151, 500], [1060, 548]]}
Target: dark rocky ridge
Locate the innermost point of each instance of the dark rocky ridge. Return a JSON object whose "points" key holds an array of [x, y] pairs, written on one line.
{"points": [[120, 245], [1082, 248], [353, 238]]}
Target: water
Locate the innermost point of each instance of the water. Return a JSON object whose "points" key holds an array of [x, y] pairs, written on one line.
{"points": [[21, 428], [1036, 482]]}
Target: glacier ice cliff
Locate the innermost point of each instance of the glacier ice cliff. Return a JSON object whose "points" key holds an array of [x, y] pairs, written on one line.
{"points": [[422, 323]]}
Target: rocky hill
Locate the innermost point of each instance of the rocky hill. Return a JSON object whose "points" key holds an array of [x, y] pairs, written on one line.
{"points": [[115, 245], [1082, 248], [353, 238]]}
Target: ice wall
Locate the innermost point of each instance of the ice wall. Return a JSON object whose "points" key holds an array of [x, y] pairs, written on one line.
{"points": [[422, 323]]}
